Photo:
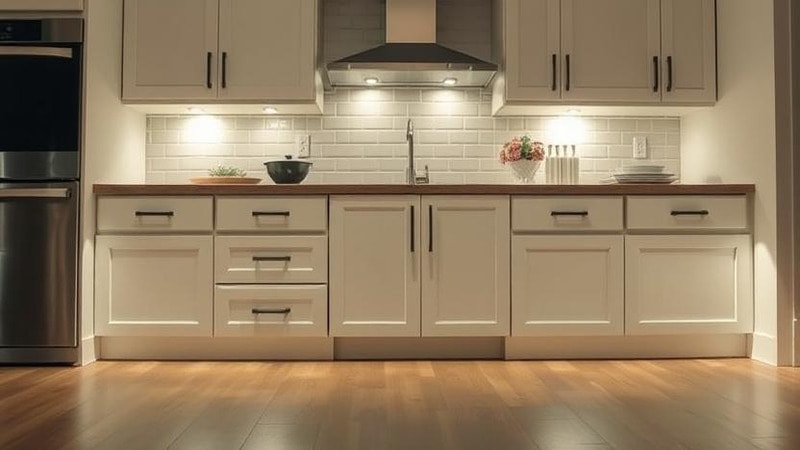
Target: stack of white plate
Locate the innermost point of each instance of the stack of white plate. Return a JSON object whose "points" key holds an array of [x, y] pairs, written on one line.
{"points": [[643, 174]]}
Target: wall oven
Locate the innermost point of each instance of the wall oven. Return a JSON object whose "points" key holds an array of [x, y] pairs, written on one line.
{"points": [[41, 80]]}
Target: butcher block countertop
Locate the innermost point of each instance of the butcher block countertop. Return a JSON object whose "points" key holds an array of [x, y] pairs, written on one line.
{"points": [[430, 189]]}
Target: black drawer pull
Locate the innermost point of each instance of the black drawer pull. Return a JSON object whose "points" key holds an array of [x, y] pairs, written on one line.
{"points": [[413, 234], [271, 213], [656, 83], [154, 213], [569, 213], [272, 258], [271, 310], [208, 70], [703, 212]]}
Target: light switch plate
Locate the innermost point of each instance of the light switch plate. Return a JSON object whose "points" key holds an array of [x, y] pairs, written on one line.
{"points": [[640, 148]]}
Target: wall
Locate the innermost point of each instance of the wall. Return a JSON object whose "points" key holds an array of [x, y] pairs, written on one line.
{"points": [[735, 142], [113, 139], [361, 139]]}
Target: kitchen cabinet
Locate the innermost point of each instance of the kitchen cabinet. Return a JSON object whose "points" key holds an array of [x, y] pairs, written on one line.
{"points": [[153, 286], [375, 266], [41, 5], [248, 310], [689, 284], [228, 52], [688, 49], [465, 266], [605, 52], [568, 285]]}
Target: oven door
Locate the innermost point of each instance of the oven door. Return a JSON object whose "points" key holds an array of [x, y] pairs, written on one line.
{"points": [[40, 111]]}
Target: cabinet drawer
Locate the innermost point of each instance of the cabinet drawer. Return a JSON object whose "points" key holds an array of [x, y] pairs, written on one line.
{"points": [[271, 311], [154, 214], [272, 214], [566, 213], [687, 212], [271, 259]]}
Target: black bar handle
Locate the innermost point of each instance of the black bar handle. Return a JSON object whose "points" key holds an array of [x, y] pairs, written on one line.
{"points": [[271, 310], [555, 73], [703, 212], [569, 213], [413, 234], [655, 73], [208, 70], [430, 228], [272, 258], [669, 73], [224, 70], [568, 68], [271, 213], [154, 213]]}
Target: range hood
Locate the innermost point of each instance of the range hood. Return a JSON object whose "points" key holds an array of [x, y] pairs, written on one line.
{"points": [[411, 57]]}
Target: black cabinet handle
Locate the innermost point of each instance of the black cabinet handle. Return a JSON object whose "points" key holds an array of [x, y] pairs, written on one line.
{"points": [[569, 213], [413, 237], [555, 75], [224, 70], [272, 258], [655, 73], [271, 310], [669, 73], [154, 213], [568, 82], [430, 228], [703, 212], [208, 70], [271, 213]]}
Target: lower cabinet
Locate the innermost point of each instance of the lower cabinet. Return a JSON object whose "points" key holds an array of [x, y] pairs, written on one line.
{"points": [[375, 266], [689, 284], [271, 310], [568, 285], [154, 286]]}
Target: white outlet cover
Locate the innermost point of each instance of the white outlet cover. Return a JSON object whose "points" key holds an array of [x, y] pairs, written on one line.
{"points": [[302, 146], [640, 147]]}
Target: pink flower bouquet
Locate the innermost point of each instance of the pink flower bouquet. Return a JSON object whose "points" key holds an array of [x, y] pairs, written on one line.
{"points": [[519, 149]]}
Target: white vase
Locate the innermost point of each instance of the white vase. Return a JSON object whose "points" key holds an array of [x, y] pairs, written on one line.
{"points": [[525, 170]]}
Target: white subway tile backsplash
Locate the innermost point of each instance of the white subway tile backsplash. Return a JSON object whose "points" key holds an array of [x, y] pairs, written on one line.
{"points": [[362, 139]]}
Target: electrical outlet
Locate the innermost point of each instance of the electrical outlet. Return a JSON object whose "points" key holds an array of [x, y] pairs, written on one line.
{"points": [[303, 146], [640, 148]]}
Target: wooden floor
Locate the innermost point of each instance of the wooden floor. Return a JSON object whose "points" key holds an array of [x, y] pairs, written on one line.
{"points": [[703, 404]]}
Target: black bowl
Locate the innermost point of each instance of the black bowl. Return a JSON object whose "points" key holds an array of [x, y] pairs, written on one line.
{"points": [[289, 171]]}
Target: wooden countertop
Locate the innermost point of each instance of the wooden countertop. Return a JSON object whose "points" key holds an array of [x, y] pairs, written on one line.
{"points": [[431, 189]]}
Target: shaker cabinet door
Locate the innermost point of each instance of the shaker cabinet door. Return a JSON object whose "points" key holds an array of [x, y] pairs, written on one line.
{"points": [[532, 42], [688, 48]]}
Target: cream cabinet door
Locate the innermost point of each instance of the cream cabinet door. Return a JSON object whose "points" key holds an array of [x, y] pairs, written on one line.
{"points": [[170, 50], [465, 266], [41, 5], [568, 285], [688, 48], [154, 286], [689, 284], [267, 49], [374, 266], [532, 46], [608, 50]]}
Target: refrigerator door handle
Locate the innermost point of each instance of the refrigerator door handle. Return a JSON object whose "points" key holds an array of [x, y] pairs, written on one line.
{"points": [[35, 193]]}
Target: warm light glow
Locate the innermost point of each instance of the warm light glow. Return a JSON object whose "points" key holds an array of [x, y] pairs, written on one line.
{"points": [[450, 82], [372, 81], [270, 110], [202, 130], [567, 130], [573, 112]]}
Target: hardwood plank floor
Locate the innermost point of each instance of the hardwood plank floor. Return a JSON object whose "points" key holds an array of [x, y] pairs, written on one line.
{"points": [[703, 404]]}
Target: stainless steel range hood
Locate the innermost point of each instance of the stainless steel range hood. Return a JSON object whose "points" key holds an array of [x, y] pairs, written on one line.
{"points": [[411, 57]]}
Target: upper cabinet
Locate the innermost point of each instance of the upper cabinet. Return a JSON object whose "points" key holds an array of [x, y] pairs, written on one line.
{"points": [[606, 52], [254, 52], [41, 5]]}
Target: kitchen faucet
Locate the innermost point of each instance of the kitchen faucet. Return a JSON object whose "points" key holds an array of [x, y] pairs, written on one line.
{"points": [[412, 177]]}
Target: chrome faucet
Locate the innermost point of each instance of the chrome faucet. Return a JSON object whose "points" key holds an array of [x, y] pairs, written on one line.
{"points": [[412, 177]]}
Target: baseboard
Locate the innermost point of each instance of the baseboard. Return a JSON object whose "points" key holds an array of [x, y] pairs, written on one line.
{"points": [[418, 348], [220, 349], [89, 350], [626, 347], [765, 348]]}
